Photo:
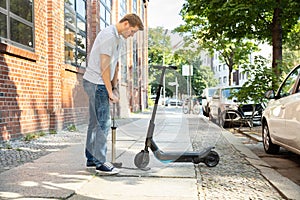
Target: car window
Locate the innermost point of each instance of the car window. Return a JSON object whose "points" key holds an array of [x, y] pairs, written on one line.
{"points": [[227, 93], [211, 92], [288, 86], [217, 93]]}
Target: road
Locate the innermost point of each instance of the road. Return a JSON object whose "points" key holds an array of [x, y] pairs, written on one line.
{"points": [[286, 162]]}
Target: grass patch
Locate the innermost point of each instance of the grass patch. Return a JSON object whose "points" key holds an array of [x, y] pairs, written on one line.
{"points": [[72, 128], [32, 136], [8, 146], [18, 149], [52, 132], [41, 133]]}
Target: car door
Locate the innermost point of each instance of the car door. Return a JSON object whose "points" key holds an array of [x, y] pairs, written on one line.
{"points": [[291, 114], [286, 111]]}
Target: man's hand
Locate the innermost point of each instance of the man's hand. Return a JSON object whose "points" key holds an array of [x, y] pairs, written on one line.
{"points": [[114, 97]]}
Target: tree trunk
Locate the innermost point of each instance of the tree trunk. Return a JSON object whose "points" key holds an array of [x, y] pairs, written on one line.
{"points": [[277, 46], [230, 75]]}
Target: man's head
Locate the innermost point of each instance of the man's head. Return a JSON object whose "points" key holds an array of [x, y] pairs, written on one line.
{"points": [[129, 25]]}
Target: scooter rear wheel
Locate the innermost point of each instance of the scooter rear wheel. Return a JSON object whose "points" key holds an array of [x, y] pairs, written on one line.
{"points": [[141, 160], [212, 159]]}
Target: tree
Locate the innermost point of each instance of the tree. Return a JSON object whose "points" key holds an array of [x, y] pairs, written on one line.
{"points": [[159, 53], [202, 75], [263, 20], [203, 78], [159, 46], [291, 50], [255, 87], [233, 52]]}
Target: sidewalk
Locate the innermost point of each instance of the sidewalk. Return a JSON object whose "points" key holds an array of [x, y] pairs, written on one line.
{"points": [[239, 175]]}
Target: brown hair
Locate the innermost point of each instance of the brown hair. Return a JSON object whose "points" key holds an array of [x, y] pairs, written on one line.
{"points": [[133, 20]]}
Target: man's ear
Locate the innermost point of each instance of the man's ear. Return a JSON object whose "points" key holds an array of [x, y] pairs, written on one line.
{"points": [[126, 24]]}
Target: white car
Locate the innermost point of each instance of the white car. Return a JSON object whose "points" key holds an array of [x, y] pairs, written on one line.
{"points": [[206, 98], [173, 102], [281, 118], [225, 109]]}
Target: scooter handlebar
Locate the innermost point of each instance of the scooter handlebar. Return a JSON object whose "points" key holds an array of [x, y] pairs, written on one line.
{"points": [[169, 66], [173, 67]]}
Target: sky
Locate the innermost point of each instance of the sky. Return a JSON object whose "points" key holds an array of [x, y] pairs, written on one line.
{"points": [[164, 13]]}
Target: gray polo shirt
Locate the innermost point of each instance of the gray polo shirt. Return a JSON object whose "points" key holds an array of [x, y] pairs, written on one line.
{"points": [[108, 42]]}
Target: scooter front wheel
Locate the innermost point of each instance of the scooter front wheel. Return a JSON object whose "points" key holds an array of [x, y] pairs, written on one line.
{"points": [[142, 159], [212, 159]]}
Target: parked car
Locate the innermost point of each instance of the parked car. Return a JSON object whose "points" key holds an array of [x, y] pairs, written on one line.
{"points": [[281, 118], [173, 102], [206, 98], [225, 109]]}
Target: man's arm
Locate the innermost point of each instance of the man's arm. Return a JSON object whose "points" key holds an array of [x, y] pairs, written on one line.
{"points": [[105, 73], [114, 82]]}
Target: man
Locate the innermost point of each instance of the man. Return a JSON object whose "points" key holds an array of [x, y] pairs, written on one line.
{"points": [[99, 82]]}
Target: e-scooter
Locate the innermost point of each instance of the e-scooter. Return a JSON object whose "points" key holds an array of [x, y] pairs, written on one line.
{"points": [[141, 160]]}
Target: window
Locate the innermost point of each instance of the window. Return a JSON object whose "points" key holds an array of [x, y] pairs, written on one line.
{"points": [[225, 79], [289, 84], [142, 15], [247, 75], [135, 64], [16, 23], [75, 32], [122, 12], [134, 6], [123, 8], [105, 13], [123, 66]]}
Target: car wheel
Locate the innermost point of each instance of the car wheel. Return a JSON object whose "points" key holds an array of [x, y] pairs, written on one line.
{"points": [[221, 119], [267, 142], [205, 113], [211, 118], [185, 110], [196, 110]]}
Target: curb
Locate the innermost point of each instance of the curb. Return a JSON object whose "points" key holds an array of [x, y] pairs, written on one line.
{"points": [[283, 185], [250, 134]]}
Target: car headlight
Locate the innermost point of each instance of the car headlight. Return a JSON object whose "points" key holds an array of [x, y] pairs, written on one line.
{"points": [[231, 107]]}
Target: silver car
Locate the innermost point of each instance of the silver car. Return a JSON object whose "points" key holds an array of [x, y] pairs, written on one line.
{"points": [[227, 111], [281, 118]]}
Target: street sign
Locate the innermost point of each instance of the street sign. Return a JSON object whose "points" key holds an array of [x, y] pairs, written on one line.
{"points": [[187, 70], [172, 83]]}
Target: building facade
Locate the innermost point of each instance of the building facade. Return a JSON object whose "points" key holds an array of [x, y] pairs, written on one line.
{"points": [[44, 46], [239, 77]]}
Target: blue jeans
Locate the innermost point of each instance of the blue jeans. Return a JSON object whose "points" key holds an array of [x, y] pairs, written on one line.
{"points": [[99, 122]]}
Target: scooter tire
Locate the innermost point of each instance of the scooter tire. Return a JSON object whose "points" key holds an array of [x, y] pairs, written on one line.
{"points": [[212, 159], [141, 160]]}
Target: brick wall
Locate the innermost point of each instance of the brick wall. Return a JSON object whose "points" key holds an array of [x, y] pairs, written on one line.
{"points": [[38, 91], [24, 83], [74, 100]]}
